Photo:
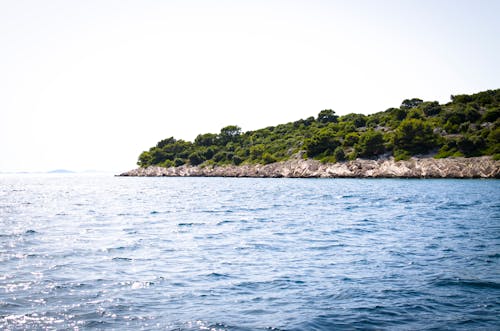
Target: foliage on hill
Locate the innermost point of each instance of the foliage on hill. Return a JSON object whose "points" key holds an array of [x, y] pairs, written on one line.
{"points": [[467, 126]]}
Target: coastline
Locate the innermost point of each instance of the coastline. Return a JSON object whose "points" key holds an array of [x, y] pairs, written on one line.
{"points": [[474, 167]]}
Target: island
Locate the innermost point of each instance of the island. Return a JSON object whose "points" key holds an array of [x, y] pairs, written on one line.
{"points": [[420, 139]]}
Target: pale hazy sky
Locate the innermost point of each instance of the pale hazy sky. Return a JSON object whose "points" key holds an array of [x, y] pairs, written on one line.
{"points": [[90, 84]]}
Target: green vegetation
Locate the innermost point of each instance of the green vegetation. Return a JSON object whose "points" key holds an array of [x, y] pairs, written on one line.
{"points": [[467, 126]]}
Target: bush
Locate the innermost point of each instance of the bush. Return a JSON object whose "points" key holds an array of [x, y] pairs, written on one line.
{"points": [[401, 155], [491, 115], [327, 116], [322, 143], [268, 158], [414, 136], [470, 146], [351, 139], [370, 144], [167, 164], [237, 160], [328, 159], [145, 159], [339, 154], [493, 140], [196, 158], [178, 162], [431, 108]]}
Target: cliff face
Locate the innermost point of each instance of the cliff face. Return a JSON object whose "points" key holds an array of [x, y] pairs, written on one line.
{"points": [[476, 167]]}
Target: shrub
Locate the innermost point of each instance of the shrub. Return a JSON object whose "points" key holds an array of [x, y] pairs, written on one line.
{"points": [[401, 155], [178, 162], [414, 136], [370, 144]]}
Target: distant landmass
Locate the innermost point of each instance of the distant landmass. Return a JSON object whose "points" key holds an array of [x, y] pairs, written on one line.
{"points": [[466, 127], [55, 171], [60, 171]]}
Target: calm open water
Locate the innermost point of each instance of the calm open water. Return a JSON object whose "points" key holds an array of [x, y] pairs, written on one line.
{"points": [[99, 252]]}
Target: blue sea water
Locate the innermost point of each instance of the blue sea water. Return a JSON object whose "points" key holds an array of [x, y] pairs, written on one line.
{"points": [[102, 252]]}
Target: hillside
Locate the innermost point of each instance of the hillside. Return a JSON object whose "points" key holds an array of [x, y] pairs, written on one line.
{"points": [[467, 126]]}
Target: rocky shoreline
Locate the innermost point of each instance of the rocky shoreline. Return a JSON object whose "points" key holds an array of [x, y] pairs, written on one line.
{"points": [[474, 167]]}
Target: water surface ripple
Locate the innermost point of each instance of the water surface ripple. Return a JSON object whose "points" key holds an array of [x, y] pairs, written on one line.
{"points": [[99, 252]]}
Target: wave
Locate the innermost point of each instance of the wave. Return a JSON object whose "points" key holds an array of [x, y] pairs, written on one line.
{"points": [[467, 283]]}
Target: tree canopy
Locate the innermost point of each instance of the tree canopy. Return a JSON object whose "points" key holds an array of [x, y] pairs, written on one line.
{"points": [[467, 126]]}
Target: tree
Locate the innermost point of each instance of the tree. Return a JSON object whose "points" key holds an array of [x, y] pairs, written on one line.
{"points": [[165, 142], [339, 154], [327, 116], [229, 133], [410, 103], [370, 144], [207, 152], [323, 142], [196, 158], [358, 120], [268, 158], [398, 114], [462, 98], [493, 141], [491, 115], [237, 160], [431, 108], [178, 162], [158, 155], [207, 139], [351, 139], [256, 151], [414, 136], [145, 159], [470, 145]]}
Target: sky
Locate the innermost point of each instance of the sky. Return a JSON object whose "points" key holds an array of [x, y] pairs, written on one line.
{"points": [[90, 84]]}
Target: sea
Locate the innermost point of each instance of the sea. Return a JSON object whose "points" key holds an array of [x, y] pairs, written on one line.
{"points": [[99, 252]]}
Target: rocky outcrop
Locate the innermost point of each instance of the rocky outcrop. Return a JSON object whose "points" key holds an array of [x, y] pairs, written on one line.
{"points": [[477, 167]]}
